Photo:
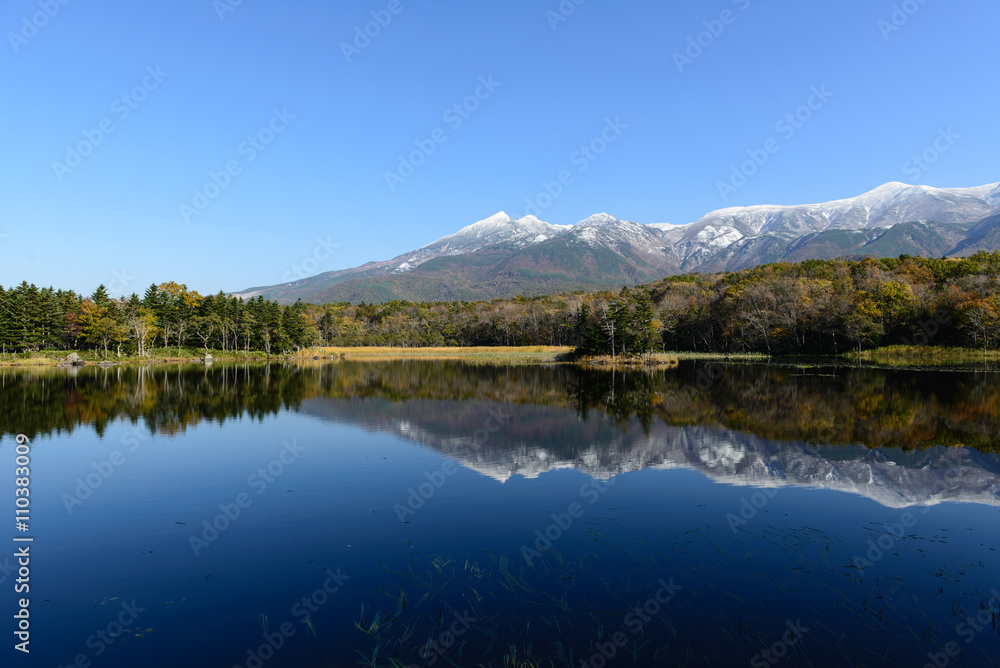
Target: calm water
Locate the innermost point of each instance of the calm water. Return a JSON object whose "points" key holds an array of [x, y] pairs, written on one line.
{"points": [[440, 514]]}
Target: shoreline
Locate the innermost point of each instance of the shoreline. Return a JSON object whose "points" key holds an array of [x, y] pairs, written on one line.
{"points": [[892, 356]]}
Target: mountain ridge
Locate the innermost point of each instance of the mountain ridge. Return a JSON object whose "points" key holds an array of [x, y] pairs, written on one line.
{"points": [[500, 256]]}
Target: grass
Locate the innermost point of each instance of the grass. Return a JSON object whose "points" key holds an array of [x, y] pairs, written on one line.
{"points": [[490, 355], [746, 357], [158, 355], [482, 355], [507, 355], [651, 360], [924, 355]]}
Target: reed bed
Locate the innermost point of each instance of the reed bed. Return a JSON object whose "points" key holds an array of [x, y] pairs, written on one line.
{"points": [[484, 355], [559, 611]]}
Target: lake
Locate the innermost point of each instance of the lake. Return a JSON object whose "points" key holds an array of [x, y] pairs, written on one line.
{"points": [[420, 513]]}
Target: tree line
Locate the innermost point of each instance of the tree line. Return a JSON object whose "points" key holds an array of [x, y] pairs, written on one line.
{"points": [[810, 307], [168, 316]]}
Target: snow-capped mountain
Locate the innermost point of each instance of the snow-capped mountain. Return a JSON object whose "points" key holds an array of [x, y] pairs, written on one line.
{"points": [[501, 256], [892, 478], [885, 206], [497, 229], [739, 237]]}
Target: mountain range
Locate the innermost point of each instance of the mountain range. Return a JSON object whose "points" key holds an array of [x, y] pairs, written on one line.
{"points": [[540, 439], [504, 257]]}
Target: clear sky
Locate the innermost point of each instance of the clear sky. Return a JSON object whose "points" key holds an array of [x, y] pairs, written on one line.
{"points": [[309, 115]]}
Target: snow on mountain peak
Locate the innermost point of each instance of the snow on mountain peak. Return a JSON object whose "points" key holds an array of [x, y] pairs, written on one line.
{"points": [[535, 223], [499, 217], [994, 196], [718, 237], [989, 193], [884, 206], [497, 221], [598, 219], [497, 229]]}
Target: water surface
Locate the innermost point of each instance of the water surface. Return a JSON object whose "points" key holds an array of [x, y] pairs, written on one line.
{"points": [[538, 516]]}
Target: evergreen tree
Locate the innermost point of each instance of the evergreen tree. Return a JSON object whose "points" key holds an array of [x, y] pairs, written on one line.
{"points": [[100, 297]]}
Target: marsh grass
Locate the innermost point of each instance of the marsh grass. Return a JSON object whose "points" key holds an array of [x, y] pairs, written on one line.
{"points": [[483, 355], [486, 355], [924, 356], [650, 361], [156, 356], [561, 610], [723, 357]]}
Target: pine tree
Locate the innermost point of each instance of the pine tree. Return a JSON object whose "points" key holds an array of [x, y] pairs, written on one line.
{"points": [[100, 297]]}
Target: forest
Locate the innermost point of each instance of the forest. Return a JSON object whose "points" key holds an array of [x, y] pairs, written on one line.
{"points": [[810, 307]]}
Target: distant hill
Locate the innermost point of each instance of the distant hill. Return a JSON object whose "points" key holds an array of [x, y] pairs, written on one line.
{"points": [[504, 257]]}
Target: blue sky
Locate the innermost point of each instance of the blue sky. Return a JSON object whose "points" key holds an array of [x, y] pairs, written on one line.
{"points": [[309, 128]]}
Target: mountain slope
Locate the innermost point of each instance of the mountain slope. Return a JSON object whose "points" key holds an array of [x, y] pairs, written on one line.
{"points": [[983, 236], [601, 254], [503, 257], [497, 231]]}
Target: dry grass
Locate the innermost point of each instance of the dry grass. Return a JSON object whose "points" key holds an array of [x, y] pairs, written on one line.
{"points": [[655, 360], [28, 361], [731, 357], [483, 355], [925, 355], [500, 355]]}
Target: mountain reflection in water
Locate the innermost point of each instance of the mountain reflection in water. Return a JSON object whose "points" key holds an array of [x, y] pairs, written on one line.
{"points": [[856, 505]]}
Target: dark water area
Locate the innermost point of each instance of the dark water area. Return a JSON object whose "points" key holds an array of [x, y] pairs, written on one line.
{"points": [[437, 513]]}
